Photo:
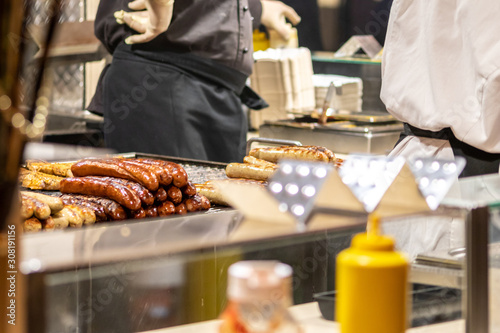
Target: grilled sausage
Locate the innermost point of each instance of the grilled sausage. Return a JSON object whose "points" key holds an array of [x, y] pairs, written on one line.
{"points": [[205, 203], [178, 173], [138, 214], [116, 168], [328, 152], [111, 208], [163, 175], [275, 154], [27, 208], [189, 190], [55, 204], [98, 186], [41, 210], [80, 200], [69, 215], [38, 180], [160, 195], [57, 168], [32, 225], [151, 211], [48, 224], [144, 194], [193, 204], [180, 209], [249, 171], [212, 194], [258, 161], [166, 208], [174, 195]]}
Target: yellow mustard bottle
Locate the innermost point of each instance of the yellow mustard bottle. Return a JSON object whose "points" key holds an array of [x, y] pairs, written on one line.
{"points": [[372, 284]]}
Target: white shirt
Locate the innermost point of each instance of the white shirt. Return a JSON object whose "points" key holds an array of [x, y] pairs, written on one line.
{"points": [[441, 68]]}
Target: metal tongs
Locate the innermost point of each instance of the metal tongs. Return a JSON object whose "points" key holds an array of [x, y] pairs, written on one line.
{"points": [[323, 117]]}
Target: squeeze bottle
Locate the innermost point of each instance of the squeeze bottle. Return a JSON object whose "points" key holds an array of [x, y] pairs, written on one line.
{"points": [[371, 283]]}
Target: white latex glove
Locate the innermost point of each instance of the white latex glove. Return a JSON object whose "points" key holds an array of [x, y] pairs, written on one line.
{"points": [[274, 14], [151, 19]]}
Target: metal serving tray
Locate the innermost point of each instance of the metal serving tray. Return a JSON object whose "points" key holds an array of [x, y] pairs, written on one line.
{"points": [[342, 137]]}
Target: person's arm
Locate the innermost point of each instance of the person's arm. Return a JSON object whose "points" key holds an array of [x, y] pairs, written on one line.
{"points": [[255, 7], [149, 23], [274, 15]]}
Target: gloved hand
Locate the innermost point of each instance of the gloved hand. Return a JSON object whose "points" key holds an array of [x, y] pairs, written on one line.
{"points": [[149, 23], [274, 14]]}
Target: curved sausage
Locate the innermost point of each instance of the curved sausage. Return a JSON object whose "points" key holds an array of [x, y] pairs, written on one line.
{"points": [[48, 224], [166, 208], [205, 203], [138, 214], [144, 175], [27, 208], [55, 204], [189, 190], [164, 177], [151, 211], [181, 209], [174, 195], [160, 195], [101, 188], [116, 168], [80, 200], [144, 194], [193, 204], [41, 210], [32, 224], [112, 209], [180, 177]]}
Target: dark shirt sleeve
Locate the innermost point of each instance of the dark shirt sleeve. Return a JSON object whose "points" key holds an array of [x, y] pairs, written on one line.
{"points": [[255, 7], [107, 30]]}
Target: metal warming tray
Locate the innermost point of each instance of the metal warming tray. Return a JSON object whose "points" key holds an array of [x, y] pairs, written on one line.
{"points": [[71, 247], [343, 134]]}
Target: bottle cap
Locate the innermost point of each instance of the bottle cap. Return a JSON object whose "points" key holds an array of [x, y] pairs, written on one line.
{"points": [[370, 242], [260, 281]]}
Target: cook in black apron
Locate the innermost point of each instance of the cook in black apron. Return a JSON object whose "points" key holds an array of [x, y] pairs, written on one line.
{"points": [[161, 98]]}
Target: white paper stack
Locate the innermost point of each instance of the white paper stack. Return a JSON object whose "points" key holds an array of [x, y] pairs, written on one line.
{"points": [[284, 78], [348, 94]]}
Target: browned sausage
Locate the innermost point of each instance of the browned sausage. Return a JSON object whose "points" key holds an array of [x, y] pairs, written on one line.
{"points": [[144, 194], [166, 208], [144, 175], [27, 208], [138, 214], [80, 200], [32, 224], [160, 195], [111, 208], [164, 177], [178, 173], [151, 211], [174, 195], [101, 188], [193, 204], [116, 168], [41, 211], [48, 224], [180, 209], [205, 203], [189, 190]]}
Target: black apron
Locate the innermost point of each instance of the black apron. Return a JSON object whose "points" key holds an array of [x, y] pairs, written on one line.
{"points": [[174, 104], [478, 161]]}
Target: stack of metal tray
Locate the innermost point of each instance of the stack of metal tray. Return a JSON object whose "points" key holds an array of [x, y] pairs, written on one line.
{"points": [[374, 132]]}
